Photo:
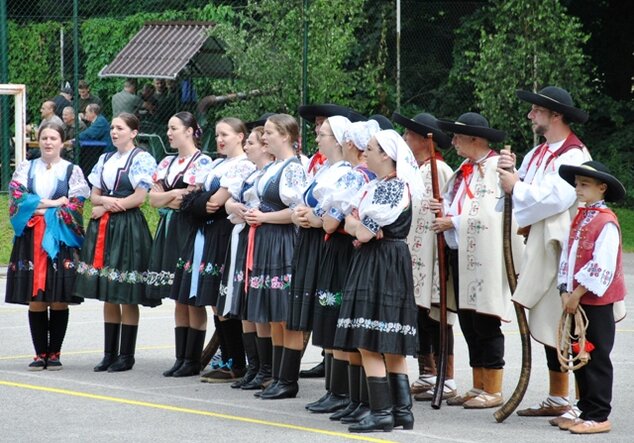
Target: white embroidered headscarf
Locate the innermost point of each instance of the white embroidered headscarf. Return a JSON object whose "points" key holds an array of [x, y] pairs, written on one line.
{"points": [[360, 133], [339, 126], [406, 167]]}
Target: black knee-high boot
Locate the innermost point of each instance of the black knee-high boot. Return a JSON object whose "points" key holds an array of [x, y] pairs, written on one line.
{"points": [[363, 410], [380, 417], [328, 358], [253, 366], [125, 361], [354, 377], [265, 356], [275, 370], [232, 331], [57, 325], [338, 398], [222, 339], [401, 400], [110, 346], [287, 386], [180, 336], [38, 322], [193, 352]]}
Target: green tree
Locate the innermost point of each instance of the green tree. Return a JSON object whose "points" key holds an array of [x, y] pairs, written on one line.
{"points": [[531, 44]]}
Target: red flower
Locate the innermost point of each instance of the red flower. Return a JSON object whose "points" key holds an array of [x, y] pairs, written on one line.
{"points": [[589, 347]]}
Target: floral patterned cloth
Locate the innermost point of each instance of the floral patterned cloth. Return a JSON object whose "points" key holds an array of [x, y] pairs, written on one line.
{"points": [[140, 174], [381, 202], [194, 172], [292, 183]]}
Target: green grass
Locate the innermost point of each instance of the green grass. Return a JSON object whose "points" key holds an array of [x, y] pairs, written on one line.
{"points": [[626, 219]]}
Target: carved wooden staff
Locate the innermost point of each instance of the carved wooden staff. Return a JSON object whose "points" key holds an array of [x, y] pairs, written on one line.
{"points": [[442, 277], [525, 374]]}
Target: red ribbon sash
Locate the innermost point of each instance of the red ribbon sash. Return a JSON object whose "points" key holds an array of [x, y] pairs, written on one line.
{"points": [[40, 259], [100, 246], [250, 255]]}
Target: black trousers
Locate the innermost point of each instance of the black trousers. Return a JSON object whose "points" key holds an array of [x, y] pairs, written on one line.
{"points": [[483, 333], [429, 334], [595, 378]]}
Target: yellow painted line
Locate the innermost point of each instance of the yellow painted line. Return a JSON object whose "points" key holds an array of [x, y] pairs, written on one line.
{"points": [[191, 411], [95, 351]]}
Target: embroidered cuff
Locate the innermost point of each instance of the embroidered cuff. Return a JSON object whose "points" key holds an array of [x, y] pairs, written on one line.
{"points": [[370, 224], [336, 214]]}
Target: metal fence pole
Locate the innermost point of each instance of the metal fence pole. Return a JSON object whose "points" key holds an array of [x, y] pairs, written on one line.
{"points": [[305, 68], [77, 150], [4, 104]]}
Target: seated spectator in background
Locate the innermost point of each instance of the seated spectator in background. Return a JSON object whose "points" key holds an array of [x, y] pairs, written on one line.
{"points": [[68, 116], [147, 91], [62, 100], [86, 98], [126, 100], [148, 115], [47, 111], [99, 129]]}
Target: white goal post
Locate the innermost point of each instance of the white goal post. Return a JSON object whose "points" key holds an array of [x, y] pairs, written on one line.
{"points": [[19, 92]]}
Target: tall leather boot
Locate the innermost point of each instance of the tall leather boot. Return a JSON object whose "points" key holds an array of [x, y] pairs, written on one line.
{"points": [[193, 352], [57, 325], [278, 351], [253, 366], [328, 358], [338, 398], [38, 322], [180, 340], [265, 356], [354, 377], [401, 400], [110, 346], [363, 410], [125, 361], [380, 417], [287, 386]]}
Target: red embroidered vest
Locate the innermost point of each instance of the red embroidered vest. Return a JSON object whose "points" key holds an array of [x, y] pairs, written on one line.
{"points": [[587, 238]]}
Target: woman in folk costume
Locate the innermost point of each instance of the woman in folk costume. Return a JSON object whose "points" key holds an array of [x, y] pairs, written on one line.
{"points": [[378, 311], [114, 258], [46, 202], [345, 381], [270, 253], [175, 177], [423, 247], [231, 300], [308, 252], [473, 232], [198, 270]]}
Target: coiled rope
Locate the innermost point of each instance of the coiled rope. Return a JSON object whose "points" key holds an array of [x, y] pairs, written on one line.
{"points": [[572, 328]]}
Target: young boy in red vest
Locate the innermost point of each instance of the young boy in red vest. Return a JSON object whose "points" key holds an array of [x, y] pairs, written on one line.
{"points": [[591, 275]]}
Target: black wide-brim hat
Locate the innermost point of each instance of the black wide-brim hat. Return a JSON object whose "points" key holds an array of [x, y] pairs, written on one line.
{"points": [[556, 99], [423, 124], [472, 123], [383, 121], [260, 121], [596, 170], [310, 112]]}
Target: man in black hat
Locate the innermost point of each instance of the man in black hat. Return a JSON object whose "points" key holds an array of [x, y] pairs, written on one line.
{"points": [[422, 245], [473, 232], [543, 205]]}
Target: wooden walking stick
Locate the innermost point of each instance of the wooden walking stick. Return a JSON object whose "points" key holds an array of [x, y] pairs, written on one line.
{"points": [[442, 277], [525, 374]]}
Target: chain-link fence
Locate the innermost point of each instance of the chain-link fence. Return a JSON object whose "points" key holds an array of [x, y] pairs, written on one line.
{"points": [[242, 58]]}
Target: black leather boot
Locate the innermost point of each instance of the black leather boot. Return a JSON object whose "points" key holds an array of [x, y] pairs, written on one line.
{"points": [[193, 351], [253, 365], [328, 371], [275, 371], [401, 400], [110, 347], [180, 335], [363, 410], [338, 389], [354, 377], [380, 417], [287, 386], [125, 361], [265, 356]]}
